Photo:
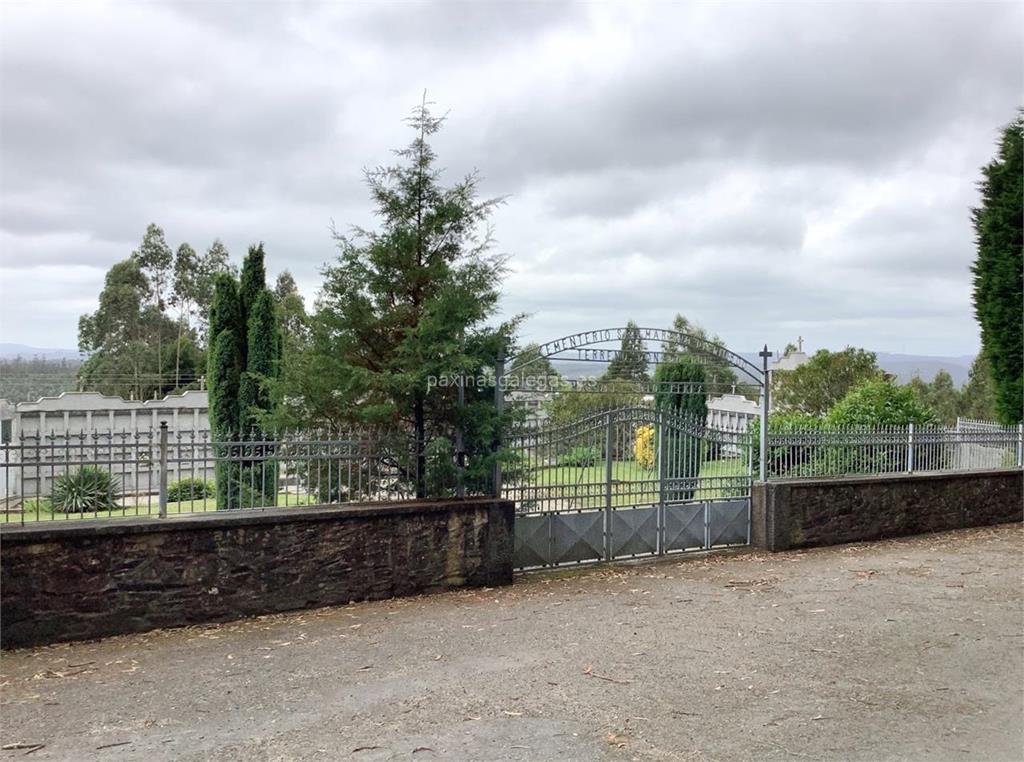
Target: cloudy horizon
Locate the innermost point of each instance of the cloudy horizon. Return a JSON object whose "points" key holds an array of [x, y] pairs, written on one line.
{"points": [[768, 171]]}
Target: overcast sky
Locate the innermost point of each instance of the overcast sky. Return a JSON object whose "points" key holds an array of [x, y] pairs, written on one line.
{"points": [[768, 170]]}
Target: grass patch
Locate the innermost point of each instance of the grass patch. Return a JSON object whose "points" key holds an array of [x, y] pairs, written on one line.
{"points": [[720, 469], [38, 509], [632, 484], [622, 470]]}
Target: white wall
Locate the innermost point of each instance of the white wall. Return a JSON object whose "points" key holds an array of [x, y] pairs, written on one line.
{"points": [[58, 434]]}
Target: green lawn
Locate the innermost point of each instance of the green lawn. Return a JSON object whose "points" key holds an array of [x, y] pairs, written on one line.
{"points": [[622, 470], [39, 509], [712, 469], [631, 483]]}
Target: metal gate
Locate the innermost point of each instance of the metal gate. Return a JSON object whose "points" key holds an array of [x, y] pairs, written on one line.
{"points": [[626, 483]]}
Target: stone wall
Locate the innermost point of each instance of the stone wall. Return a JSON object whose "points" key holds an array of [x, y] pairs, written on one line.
{"points": [[86, 579], [802, 513]]}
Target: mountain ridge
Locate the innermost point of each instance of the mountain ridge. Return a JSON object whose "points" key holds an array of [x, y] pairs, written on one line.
{"points": [[903, 366]]}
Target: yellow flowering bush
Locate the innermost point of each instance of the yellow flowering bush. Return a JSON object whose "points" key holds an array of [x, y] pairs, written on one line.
{"points": [[643, 447]]}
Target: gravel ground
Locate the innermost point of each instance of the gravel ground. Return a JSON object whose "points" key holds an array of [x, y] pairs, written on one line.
{"points": [[906, 649]]}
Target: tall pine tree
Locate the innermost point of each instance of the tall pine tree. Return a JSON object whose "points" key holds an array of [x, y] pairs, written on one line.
{"points": [[404, 306], [999, 271]]}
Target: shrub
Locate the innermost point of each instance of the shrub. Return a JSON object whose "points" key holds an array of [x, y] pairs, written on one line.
{"points": [[791, 461], [580, 456], [879, 403], [185, 490], [83, 491], [643, 447]]}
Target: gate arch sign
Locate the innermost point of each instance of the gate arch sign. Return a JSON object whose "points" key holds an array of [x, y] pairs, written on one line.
{"points": [[579, 342]]}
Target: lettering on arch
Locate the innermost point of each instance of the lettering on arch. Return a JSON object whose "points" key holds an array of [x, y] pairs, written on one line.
{"points": [[701, 348]]}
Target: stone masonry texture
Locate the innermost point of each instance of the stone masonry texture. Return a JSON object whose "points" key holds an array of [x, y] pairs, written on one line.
{"points": [[812, 512], [89, 579]]}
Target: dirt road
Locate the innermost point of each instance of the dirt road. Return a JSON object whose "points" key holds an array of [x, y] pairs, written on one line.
{"points": [[909, 649]]}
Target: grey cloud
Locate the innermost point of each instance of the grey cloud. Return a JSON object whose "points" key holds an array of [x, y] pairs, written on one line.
{"points": [[820, 84], [463, 23], [735, 163]]}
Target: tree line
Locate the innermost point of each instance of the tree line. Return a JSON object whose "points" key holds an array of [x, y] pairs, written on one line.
{"points": [[817, 386], [417, 297], [28, 379], [149, 335]]}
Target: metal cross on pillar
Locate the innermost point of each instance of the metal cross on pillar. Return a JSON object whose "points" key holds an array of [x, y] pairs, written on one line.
{"points": [[764, 354]]}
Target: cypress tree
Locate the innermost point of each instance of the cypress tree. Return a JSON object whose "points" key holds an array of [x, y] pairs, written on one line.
{"points": [[679, 391], [223, 373], [263, 335], [262, 347], [999, 271], [252, 282], [224, 365], [243, 356], [225, 311]]}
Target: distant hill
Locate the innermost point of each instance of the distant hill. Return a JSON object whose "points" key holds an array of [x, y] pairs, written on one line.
{"points": [[904, 367], [26, 378], [10, 351]]}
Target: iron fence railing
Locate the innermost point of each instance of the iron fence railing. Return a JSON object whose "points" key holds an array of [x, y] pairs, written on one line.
{"points": [[99, 474], [624, 457], [861, 450]]}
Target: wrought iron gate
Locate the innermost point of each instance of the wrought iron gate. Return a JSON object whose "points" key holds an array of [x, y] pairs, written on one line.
{"points": [[627, 483]]}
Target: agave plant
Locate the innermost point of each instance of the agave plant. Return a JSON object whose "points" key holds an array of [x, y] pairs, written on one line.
{"points": [[83, 491]]}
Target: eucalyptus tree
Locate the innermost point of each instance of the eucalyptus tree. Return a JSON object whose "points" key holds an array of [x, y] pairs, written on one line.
{"points": [[183, 296], [215, 261], [155, 259], [291, 314]]}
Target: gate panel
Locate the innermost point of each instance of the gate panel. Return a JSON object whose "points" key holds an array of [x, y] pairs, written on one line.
{"points": [[634, 531], [532, 541], [577, 537], [684, 527], [627, 483], [728, 522]]}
